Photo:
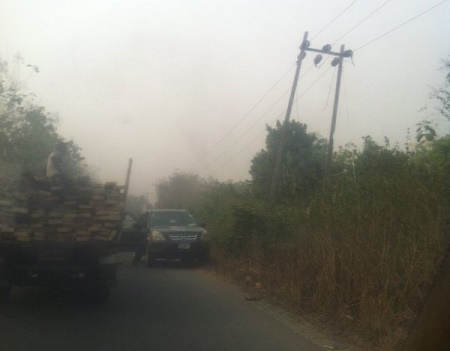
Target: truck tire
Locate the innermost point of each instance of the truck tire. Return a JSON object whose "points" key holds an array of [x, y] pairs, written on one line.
{"points": [[102, 294], [99, 294], [203, 259], [5, 284], [136, 259], [5, 293], [150, 260]]}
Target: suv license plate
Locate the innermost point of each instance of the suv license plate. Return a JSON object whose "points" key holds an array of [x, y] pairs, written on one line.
{"points": [[184, 246], [51, 256]]}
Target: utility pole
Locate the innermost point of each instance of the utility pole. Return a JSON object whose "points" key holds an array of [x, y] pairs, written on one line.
{"points": [[335, 108], [338, 60], [125, 195], [127, 181], [284, 128]]}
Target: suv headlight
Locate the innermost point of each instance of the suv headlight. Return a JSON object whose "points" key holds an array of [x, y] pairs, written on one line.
{"points": [[205, 236], [156, 236]]}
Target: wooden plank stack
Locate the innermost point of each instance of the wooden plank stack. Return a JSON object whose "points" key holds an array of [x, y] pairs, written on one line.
{"points": [[91, 212], [9, 183]]}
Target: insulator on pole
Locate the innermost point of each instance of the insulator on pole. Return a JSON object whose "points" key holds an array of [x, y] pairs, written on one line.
{"points": [[347, 53], [326, 48], [305, 45], [335, 61], [317, 59]]}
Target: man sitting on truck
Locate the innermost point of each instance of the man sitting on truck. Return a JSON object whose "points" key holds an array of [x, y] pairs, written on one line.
{"points": [[55, 171]]}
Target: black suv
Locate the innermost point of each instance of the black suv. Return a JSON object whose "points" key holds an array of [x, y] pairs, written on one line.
{"points": [[173, 234]]}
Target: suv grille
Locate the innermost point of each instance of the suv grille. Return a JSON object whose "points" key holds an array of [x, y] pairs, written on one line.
{"points": [[183, 237]]}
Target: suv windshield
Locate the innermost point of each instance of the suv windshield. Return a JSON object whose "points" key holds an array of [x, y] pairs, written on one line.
{"points": [[171, 218]]}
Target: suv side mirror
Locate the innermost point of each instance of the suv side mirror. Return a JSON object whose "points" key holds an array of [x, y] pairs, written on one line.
{"points": [[202, 225]]}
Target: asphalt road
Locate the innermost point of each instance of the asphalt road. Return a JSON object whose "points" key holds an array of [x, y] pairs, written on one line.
{"points": [[170, 307]]}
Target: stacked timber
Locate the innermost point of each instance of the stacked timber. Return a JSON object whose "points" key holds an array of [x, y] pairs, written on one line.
{"points": [[91, 212]]}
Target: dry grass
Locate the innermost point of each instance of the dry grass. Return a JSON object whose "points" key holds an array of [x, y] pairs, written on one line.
{"points": [[367, 265], [362, 250]]}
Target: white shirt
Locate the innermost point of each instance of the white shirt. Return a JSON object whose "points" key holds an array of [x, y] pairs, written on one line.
{"points": [[52, 168]]}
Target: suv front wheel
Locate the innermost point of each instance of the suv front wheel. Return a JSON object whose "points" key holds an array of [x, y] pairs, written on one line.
{"points": [[149, 259]]}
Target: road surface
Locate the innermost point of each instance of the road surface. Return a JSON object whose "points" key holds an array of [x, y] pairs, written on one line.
{"points": [[169, 307]]}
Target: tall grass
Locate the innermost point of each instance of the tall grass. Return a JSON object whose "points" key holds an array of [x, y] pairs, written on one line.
{"points": [[364, 251]]}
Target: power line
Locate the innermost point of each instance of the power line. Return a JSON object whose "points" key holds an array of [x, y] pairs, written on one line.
{"points": [[270, 90], [313, 83], [346, 33], [238, 153], [402, 24], [251, 127], [254, 124], [253, 140], [334, 19], [347, 109], [244, 117], [362, 21], [329, 92]]}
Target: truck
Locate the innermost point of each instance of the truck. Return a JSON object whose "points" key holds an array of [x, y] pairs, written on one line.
{"points": [[53, 237]]}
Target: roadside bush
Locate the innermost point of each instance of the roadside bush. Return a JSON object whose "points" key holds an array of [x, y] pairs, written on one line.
{"points": [[364, 250]]}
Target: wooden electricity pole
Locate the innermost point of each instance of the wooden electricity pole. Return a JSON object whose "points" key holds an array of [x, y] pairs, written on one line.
{"points": [[338, 60], [284, 128], [335, 109]]}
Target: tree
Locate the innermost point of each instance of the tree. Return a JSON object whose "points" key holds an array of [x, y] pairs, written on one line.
{"points": [[136, 205], [379, 162], [181, 190], [28, 132], [442, 94], [302, 162], [425, 133]]}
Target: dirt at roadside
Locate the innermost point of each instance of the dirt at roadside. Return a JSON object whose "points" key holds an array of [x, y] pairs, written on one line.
{"points": [[319, 329]]}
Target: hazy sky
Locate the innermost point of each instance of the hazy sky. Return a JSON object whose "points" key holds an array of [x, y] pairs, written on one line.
{"points": [[190, 85]]}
